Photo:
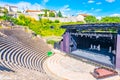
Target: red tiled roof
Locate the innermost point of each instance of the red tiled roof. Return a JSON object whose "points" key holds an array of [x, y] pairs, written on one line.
{"points": [[85, 15], [33, 11]]}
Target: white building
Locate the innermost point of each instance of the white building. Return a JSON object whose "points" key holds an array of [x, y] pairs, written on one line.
{"points": [[11, 8], [78, 18], [35, 12]]}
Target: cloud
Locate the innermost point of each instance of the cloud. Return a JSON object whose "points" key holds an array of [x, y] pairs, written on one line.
{"points": [[95, 10], [98, 3], [44, 2], [110, 1], [116, 14], [91, 1], [99, 17], [64, 10], [24, 5], [92, 8]]}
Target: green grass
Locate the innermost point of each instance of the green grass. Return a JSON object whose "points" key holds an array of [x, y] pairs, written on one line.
{"points": [[51, 42]]}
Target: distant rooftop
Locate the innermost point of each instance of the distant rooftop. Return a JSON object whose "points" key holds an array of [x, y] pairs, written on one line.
{"points": [[33, 11], [85, 15]]}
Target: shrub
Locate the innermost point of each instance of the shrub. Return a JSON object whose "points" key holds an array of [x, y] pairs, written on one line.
{"points": [[51, 42], [57, 21]]}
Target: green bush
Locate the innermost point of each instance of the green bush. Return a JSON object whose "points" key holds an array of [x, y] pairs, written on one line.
{"points": [[57, 21], [51, 42], [43, 26]]}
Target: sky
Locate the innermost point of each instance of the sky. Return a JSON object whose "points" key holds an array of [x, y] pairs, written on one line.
{"points": [[97, 8]]}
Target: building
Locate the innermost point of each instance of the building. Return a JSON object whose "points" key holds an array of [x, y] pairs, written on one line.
{"points": [[78, 18], [84, 15], [11, 8], [99, 43], [35, 12]]}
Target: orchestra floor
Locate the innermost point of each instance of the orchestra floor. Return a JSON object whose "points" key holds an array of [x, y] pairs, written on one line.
{"points": [[94, 56]]}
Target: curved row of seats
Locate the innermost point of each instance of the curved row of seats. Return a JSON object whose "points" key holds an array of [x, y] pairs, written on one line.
{"points": [[16, 53], [7, 50], [58, 71]]}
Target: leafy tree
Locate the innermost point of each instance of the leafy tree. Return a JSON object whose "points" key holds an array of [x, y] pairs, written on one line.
{"points": [[21, 17], [51, 14], [46, 11], [6, 17], [109, 19], [91, 19], [5, 11], [59, 14], [0, 9], [19, 12], [57, 21], [45, 15], [24, 20]]}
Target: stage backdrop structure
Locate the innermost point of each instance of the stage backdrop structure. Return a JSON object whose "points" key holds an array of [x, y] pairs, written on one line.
{"points": [[98, 42]]}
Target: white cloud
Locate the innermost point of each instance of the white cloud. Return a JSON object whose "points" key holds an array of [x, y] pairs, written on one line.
{"points": [[99, 17], [92, 8], [64, 10], [24, 5], [95, 10], [115, 14], [44, 2], [98, 3], [91, 1], [110, 1]]}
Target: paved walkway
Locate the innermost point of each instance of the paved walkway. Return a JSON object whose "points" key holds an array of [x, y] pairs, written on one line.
{"points": [[68, 68]]}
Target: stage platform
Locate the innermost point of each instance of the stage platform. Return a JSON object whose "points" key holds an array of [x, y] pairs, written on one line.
{"points": [[97, 57]]}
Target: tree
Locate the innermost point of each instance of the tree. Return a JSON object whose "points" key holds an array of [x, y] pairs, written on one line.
{"points": [[91, 19], [0, 9], [46, 11], [45, 15], [57, 21], [109, 19], [19, 12], [59, 14], [51, 14], [6, 17], [5, 11]]}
